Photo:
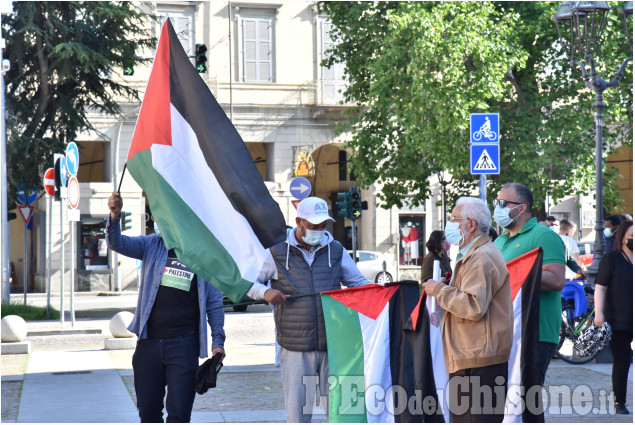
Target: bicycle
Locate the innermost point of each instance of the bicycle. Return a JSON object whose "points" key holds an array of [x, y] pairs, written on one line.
{"points": [[574, 323], [488, 134]]}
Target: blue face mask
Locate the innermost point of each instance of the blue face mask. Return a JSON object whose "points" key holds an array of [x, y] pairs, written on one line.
{"points": [[312, 237], [453, 234], [156, 229], [501, 216]]}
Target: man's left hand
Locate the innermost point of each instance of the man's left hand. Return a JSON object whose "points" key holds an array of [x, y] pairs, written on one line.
{"points": [[218, 350]]}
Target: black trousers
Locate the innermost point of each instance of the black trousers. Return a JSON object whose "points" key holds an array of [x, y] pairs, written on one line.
{"points": [[622, 356], [161, 362], [478, 394]]}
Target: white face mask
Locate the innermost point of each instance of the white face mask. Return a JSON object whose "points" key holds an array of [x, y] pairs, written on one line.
{"points": [[501, 216], [312, 237], [607, 232], [453, 234]]}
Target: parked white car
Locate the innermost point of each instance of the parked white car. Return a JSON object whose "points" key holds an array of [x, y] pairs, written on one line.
{"points": [[370, 264]]}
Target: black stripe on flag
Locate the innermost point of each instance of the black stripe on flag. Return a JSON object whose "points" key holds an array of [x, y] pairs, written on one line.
{"points": [[223, 148]]}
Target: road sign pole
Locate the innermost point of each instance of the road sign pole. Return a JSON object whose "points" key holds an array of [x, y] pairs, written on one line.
{"points": [[482, 187], [354, 234], [62, 264], [72, 288], [4, 216], [26, 260], [48, 269]]}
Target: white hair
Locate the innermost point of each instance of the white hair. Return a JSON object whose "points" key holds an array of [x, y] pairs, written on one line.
{"points": [[475, 209]]}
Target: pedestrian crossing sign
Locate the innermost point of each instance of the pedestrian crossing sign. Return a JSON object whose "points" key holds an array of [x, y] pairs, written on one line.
{"points": [[484, 159]]}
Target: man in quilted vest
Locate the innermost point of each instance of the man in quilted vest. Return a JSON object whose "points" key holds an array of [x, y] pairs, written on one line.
{"points": [[308, 262]]}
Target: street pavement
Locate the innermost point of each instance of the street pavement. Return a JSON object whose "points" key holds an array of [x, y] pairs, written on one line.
{"points": [[69, 378]]}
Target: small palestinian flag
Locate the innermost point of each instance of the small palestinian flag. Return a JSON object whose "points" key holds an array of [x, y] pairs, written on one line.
{"points": [[525, 278], [203, 187], [380, 364]]}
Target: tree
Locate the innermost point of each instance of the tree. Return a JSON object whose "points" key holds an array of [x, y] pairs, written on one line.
{"points": [[417, 70], [62, 58]]}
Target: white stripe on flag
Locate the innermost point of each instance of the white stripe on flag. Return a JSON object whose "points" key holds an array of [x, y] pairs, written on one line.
{"points": [[513, 405], [377, 372], [183, 166]]}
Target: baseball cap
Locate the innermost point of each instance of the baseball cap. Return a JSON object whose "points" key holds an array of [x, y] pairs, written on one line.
{"points": [[314, 210]]}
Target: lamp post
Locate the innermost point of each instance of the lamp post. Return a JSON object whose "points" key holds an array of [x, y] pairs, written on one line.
{"points": [[443, 184], [585, 21]]}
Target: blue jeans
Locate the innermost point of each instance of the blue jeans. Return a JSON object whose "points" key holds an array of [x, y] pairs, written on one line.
{"points": [[158, 362]]}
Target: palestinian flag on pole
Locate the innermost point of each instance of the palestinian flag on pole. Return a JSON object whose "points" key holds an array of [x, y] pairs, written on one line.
{"points": [[525, 278], [204, 190], [380, 364]]}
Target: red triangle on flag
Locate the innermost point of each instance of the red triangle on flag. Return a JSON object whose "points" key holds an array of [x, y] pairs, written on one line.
{"points": [[25, 211], [369, 300], [519, 269]]}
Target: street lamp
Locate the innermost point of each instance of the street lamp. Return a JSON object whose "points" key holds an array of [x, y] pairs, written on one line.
{"points": [[583, 23], [443, 184]]}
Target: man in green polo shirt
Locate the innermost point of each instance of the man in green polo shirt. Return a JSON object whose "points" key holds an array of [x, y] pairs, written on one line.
{"points": [[522, 234]]}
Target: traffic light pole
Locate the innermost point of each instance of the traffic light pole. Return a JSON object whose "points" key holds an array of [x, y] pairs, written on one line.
{"points": [[4, 215], [354, 233]]}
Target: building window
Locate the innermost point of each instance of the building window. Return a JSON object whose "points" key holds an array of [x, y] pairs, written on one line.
{"points": [[94, 162], [411, 243], [333, 81], [93, 249], [258, 47], [182, 19]]}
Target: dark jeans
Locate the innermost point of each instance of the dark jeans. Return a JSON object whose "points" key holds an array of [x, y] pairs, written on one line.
{"points": [[544, 353], [622, 355], [158, 362], [478, 394]]}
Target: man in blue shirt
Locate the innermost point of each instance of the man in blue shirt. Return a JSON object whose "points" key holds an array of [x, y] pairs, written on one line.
{"points": [[170, 321]]}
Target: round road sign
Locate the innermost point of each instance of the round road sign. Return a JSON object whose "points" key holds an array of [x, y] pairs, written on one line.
{"points": [[72, 159], [25, 199], [49, 181], [73, 192]]}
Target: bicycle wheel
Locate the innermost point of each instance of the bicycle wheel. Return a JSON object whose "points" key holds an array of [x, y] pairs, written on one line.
{"points": [[570, 329], [477, 136]]}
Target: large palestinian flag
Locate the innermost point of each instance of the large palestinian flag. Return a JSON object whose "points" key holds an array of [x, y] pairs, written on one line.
{"points": [[202, 185], [380, 364], [523, 377]]}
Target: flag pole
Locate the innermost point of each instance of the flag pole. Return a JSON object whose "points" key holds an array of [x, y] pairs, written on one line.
{"points": [[122, 174]]}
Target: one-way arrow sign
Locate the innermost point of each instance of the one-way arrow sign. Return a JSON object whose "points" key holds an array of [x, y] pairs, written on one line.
{"points": [[300, 188]]}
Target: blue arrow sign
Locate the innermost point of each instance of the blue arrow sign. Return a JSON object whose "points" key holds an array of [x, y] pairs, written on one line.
{"points": [[23, 199], [72, 159], [300, 188], [485, 128], [63, 171], [484, 158]]}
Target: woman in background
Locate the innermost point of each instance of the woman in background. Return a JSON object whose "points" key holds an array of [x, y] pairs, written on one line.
{"points": [[437, 250], [614, 304]]}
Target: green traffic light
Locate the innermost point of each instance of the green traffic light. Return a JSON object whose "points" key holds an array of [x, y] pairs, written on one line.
{"points": [[201, 58], [128, 70]]}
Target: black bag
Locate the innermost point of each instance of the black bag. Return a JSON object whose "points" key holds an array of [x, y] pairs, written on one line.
{"points": [[206, 373]]}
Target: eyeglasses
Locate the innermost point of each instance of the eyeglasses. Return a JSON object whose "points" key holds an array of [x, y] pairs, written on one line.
{"points": [[453, 219], [502, 203]]}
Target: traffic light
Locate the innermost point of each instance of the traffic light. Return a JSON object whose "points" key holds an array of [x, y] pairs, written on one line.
{"points": [[343, 205], [126, 220], [356, 203], [128, 70], [11, 216], [201, 58]]}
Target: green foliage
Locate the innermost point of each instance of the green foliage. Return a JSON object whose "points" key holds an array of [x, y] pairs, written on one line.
{"points": [[62, 55], [27, 312], [417, 70]]}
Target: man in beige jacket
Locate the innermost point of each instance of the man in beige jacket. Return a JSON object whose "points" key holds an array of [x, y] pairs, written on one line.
{"points": [[477, 323]]}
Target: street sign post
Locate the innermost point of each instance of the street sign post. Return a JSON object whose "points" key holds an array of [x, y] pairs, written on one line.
{"points": [[484, 148], [25, 212], [485, 128], [484, 159], [300, 188], [49, 181], [72, 159]]}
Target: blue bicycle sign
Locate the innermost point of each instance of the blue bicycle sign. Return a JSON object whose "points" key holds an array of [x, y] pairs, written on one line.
{"points": [[484, 128]]}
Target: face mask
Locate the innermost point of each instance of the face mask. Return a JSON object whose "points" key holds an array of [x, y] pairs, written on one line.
{"points": [[607, 232], [313, 237], [501, 216], [629, 244], [453, 233], [156, 229], [447, 245]]}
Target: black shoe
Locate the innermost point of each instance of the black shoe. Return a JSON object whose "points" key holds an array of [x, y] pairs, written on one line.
{"points": [[621, 409]]}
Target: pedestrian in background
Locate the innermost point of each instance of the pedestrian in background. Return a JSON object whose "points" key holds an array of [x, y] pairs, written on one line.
{"points": [[523, 234], [614, 304], [574, 264], [611, 223], [478, 319], [170, 321], [438, 248]]}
